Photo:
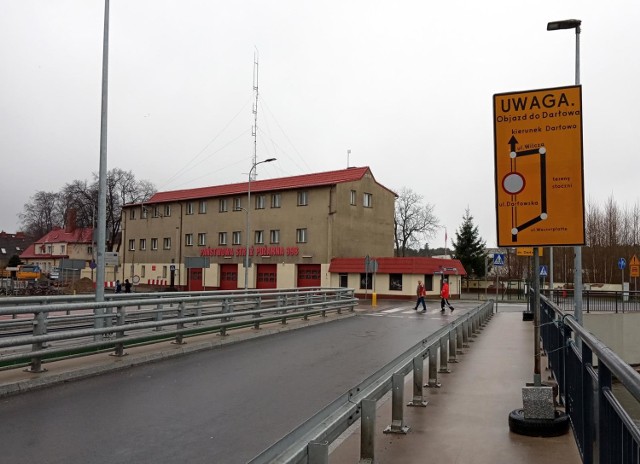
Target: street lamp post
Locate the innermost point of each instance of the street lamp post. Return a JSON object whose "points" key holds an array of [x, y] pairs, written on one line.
{"points": [[577, 282], [248, 224]]}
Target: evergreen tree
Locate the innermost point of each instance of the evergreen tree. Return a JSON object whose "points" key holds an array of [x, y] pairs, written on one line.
{"points": [[469, 248]]}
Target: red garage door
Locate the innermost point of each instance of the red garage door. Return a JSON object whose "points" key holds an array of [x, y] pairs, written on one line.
{"points": [[267, 276], [195, 280], [228, 277], [308, 275]]}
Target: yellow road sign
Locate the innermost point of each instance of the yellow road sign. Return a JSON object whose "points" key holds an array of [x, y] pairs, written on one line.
{"points": [[538, 167], [527, 251], [634, 267]]}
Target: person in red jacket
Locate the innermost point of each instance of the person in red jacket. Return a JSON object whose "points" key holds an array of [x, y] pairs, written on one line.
{"points": [[444, 296], [420, 293]]}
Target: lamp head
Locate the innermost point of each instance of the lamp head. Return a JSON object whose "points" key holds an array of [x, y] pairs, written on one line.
{"points": [[564, 24]]}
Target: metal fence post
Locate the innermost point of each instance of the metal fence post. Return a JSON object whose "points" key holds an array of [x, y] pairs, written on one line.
{"points": [[459, 336], [318, 452], [180, 325], [465, 333], [418, 378], [39, 328], [159, 309], [367, 431], [452, 346], [120, 321], [397, 405], [433, 368], [225, 309], [443, 354]]}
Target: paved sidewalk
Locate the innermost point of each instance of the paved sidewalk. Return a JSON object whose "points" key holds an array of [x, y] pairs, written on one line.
{"points": [[466, 420]]}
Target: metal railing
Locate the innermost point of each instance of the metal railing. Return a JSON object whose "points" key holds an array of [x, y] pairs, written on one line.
{"points": [[310, 441], [45, 328], [586, 372], [596, 300]]}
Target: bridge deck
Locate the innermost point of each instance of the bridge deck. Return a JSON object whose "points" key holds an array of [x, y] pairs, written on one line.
{"points": [[466, 420]]}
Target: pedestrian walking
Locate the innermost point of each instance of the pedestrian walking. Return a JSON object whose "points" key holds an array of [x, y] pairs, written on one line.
{"points": [[127, 286], [444, 296], [118, 286], [420, 293]]}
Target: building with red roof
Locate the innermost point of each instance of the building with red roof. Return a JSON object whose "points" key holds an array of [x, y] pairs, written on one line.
{"points": [[397, 277], [60, 244], [294, 225]]}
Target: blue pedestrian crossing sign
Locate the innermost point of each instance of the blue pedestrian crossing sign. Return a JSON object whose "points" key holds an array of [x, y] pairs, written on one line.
{"points": [[498, 259], [543, 271], [622, 263]]}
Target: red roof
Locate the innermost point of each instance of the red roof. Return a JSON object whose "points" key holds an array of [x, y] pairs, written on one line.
{"points": [[81, 235], [282, 183], [400, 266]]}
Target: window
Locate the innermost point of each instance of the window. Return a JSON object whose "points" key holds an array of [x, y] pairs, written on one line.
{"points": [[395, 281], [303, 198], [428, 283], [132, 245], [189, 207], [49, 249], [132, 213], [144, 212], [222, 205], [367, 200], [167, 210], [222, 238], [237, 204], [202, 239], [143, 244], [62, 248], [301, 235], [365, 281], [90, 250], [166, 243], [274, 236], [275, 200], [164, 272], [143, 271], [259, 237], [237, 237], [154, 244], [260, 202], [202, 207], [156, 211], [352, 201], [188, 239]]}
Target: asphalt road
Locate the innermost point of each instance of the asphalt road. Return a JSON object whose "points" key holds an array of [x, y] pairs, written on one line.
{"points": [[220, 406]]}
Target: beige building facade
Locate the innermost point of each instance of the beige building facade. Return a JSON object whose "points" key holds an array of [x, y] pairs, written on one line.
{"points": [[197, 238]]}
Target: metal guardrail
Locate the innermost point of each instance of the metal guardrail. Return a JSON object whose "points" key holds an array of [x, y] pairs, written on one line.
{"points": [[603, 429], [310, 442], [52, 327], [596, 300]]}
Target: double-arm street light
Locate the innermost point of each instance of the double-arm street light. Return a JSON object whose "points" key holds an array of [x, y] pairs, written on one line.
{"points": [[248, 225]]}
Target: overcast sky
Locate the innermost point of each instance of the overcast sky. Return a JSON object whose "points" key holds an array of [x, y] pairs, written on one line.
{"points": [[407, 86]]}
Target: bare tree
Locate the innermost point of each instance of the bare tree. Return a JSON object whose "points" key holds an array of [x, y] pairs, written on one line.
{"points": [[49, 210], [414, 222], [41, 215]]}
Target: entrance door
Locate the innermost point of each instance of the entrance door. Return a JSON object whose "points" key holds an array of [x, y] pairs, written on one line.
{"points": [[228, 277], [308, 275], [195, 280], [267, 276]]}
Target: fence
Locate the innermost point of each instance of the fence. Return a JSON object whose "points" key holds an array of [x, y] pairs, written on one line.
{"points": [[603, 428], [52, 327], [597, 300], [310, 442]]}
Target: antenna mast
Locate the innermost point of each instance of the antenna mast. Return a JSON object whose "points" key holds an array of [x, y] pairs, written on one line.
{"points": [[254, 130]]}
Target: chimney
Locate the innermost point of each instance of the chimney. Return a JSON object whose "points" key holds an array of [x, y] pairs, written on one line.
{"points": [[70, 225]]}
